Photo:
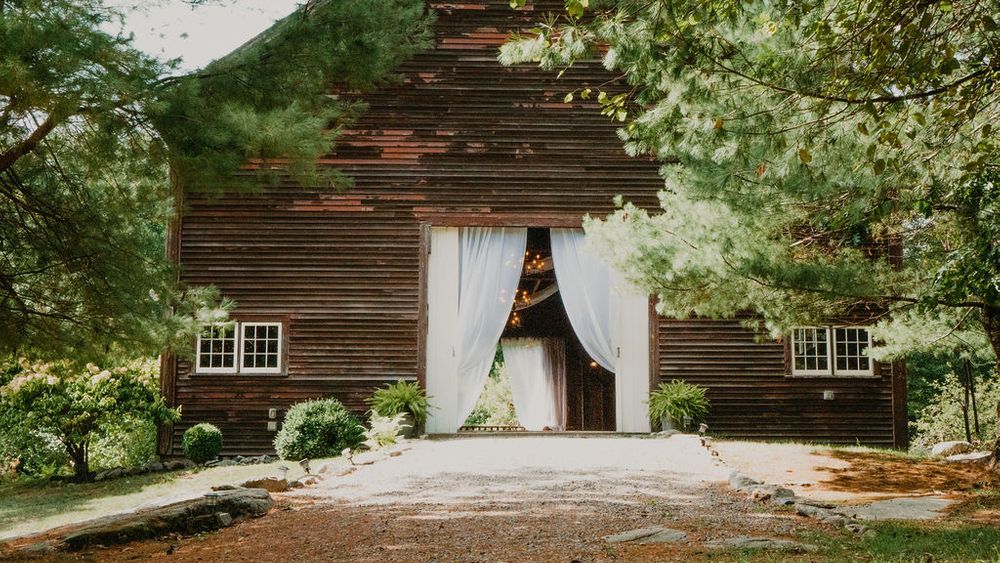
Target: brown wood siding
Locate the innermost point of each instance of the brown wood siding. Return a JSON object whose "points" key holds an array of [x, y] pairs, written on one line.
{"points": [[460, 140], [752, 397]]}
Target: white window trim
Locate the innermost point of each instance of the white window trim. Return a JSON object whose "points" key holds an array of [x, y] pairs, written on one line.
{"points": [[829, 355], [236, 350], [832, 371], [243, 348], [870, 372]]}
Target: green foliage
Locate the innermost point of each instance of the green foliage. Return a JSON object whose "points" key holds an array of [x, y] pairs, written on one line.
{"points": [[796, 137], [83, 270], [75, 405], [33, 454], [383, 431], [400, 397], [129, 443], [676, 401], [315, 429], [202, 442], [943, 419], [495, 405]]}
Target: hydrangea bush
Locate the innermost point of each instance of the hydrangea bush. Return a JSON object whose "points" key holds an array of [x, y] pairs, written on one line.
{"points": [[75, 405]]}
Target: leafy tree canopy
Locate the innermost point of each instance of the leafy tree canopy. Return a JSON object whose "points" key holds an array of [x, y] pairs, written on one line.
{"points": [[799, 139], [91, 128]]}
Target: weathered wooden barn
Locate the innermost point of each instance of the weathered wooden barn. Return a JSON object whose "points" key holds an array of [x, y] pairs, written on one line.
{"points": [[340, 292]]}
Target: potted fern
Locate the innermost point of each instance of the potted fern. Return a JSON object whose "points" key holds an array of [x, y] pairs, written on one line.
{"points": [[401, 398], [677, 404]]}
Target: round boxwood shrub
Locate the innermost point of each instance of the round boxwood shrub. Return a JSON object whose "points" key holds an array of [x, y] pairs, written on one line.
{"points": [[202, 442], [320, 428]]}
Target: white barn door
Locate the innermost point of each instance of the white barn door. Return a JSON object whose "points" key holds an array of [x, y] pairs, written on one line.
{"points": [[442, 337], [632, 366]]}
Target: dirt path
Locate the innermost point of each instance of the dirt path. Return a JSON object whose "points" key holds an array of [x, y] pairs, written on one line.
{"points": [[495, 499]]}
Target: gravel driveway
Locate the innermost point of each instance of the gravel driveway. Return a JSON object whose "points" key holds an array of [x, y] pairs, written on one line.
{"points": [[532, 470], [545, 498]]}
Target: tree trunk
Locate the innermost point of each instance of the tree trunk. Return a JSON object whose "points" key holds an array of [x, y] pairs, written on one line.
{"points": [[970, 374], [81, 463], [991, 322]]}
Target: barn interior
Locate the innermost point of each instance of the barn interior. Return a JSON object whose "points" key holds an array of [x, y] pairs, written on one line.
{"points": [[539, 313]]}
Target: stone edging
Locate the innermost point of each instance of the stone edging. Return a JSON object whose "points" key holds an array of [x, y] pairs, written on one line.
{"points": [[759, 491]]}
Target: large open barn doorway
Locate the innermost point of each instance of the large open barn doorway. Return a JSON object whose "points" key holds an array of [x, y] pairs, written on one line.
{"points": [[542, 378], [574, 336]]}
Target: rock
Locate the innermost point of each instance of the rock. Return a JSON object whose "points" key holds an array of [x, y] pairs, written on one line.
{"points": [[856, 528], [653, 534], [40, 549], [945, 449], [296, 484], [186, 517], [178, 464], [212, 463], [902, 508], [269, 484], [747, 542], [224, 519], [309, 481], [111, 474], [811, 511], [154, 466], [396, 453], [334, 468], [973, 457], [224, 488], [741, 482], [761, 493]]}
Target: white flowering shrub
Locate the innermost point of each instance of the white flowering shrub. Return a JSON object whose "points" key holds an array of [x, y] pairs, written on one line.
{"points": [[76, 405], [383, 431]]}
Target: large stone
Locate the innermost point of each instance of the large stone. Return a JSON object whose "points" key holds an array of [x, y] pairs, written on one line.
{"points": [[154, 466], [269, 484], [747, 542], [178, 464], [741, 482], [945, 449], [187, 517], [903, 508], [974, 457], [652, 534]]}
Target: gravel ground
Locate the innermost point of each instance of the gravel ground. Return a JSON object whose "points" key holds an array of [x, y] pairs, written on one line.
{"points": [[546, 498]]}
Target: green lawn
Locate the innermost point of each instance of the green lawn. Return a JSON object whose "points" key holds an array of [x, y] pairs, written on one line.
{"points": [[31, 507]]}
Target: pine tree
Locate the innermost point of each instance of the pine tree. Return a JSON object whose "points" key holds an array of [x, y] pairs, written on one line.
{"points": [[794, 137], [92, 131]]}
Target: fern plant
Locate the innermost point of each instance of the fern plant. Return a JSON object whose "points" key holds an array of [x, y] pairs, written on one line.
{"points": [[399, 398], [677, 401]]}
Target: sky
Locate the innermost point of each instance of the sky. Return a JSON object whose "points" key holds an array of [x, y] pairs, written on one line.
{"points": [[170, 29]]}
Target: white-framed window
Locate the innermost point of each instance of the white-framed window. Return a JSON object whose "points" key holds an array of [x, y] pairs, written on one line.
{"points": [[217, 348], [850, 351], [260, 348], [831, 351], [240, 347]]}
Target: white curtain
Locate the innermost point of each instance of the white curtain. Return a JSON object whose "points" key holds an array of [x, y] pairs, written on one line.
{"points": [[588, 294], [537, 371], [490, 263]]}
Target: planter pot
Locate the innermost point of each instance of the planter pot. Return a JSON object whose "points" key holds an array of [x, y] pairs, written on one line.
{"points": [[667, 425], [410, 429]]}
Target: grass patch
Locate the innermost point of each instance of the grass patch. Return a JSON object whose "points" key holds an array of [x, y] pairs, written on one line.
{"points": [[27, 499], [31, 507], [912, 541]]}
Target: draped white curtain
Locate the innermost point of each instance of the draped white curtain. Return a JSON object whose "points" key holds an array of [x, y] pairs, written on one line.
{"points": [[490, 263], [588, 293], [537, 371]]}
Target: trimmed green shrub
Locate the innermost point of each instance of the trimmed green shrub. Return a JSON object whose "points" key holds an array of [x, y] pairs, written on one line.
{"points": [[676, 401], [399, 398], [319, 428], [202, 442]]}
